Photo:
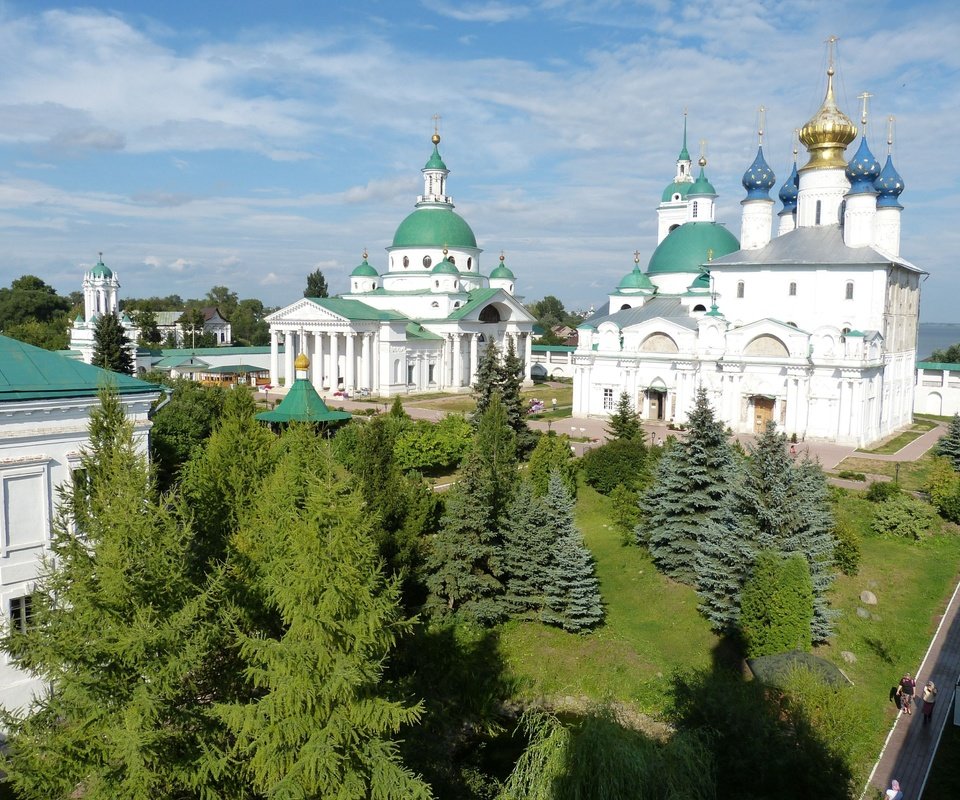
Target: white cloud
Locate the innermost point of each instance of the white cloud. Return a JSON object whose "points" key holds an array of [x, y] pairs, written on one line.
{"points": [[490, 11]]}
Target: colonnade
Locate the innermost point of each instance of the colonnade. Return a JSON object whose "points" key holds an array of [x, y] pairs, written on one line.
{"points": [[323, 348]]}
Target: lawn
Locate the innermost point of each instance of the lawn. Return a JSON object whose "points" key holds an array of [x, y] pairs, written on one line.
{"points": [[653, 627], [901, 440], [912, 474]]}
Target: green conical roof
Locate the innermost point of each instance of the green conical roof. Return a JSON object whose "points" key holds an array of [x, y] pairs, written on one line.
{"points": [[435, 161], [303, 404], [701, 186], [684, 153], [685, 248]]}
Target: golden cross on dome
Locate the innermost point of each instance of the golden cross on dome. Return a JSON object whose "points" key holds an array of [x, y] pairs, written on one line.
{"points": [[636, 256], [864, 98], [831, 45]]}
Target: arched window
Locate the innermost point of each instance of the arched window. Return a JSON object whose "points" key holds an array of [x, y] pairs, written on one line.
{"points": [[469, 262], [406, 261], [625, 306], [694, 214], [816, 220], [674, 227], [427, 261], [436, 284], [435, 304], [849, 294], [793, 289], [490, 314], [700, 307], [739, 288], [455, 284], [374, 284], [452, 260]]}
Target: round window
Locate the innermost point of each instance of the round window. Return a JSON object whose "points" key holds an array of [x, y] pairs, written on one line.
{"points": [[427, 261]]}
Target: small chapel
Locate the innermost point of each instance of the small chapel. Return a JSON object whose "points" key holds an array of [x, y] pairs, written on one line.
{"points": [[813, 327], [420, 323]]}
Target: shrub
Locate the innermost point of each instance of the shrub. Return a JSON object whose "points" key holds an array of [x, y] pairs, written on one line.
{"points": [[850, 475], [625, 512], [879, 491], [431, 446], [847, 553], [776, 606], [620, 461], [943, 487], [903, 515]]}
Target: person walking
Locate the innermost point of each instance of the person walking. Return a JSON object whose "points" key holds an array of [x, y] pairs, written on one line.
{"points": [[907, 687], [929, 697], [894, 793]]}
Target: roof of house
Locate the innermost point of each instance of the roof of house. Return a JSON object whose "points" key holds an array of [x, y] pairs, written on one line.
{"points": [[30, 373]]}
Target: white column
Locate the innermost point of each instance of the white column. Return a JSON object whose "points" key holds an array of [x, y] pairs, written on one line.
{"points": [[289, 346], [458, 360], [274, 357], [334, 361], [528, 357], [474, 356], [316, 361], [365, 361], [350, 367], [377, 365]]}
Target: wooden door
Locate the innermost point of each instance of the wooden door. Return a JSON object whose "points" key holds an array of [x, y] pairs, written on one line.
{"points": [[762, 413]]}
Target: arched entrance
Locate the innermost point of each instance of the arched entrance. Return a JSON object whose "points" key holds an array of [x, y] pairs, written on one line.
{"points": [[657, 401]]}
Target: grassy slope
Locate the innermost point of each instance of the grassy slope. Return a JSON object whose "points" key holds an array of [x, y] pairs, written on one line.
{"points": [[653, 626]]}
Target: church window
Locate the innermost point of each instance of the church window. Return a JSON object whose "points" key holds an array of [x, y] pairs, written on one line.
{"points": [[700, 307], [455, 284], [436, 284], [430, 378], [410, 373], [427, 261], [452, 260], [608, 399], [683, 169], [374, 284], [676, 196], [21, 613], [695, 205], [739, 288], [674, 227], [406, 261], [849, 294], [469, 262], [396, 370], [435, 304], [457, 304], [816, 220], [793, 289]]}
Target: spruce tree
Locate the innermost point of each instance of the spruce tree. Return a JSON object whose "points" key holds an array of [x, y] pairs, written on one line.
{"points": [[687, 494], [777, 605], [624, 422], [464, 563], [511, 379], [316, 722], [488, 378], [528, 544], [111, 347], [948, 445], [572, 591]]}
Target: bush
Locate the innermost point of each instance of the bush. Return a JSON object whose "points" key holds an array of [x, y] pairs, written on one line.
{"points": [[625, 512], [879, 491], [850, 475], [432, 446], [776, 606], [847, 554], [943, 486], [903, 515], [620, 461]]}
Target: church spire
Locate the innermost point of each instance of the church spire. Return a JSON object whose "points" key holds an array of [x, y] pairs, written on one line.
{"points": [[435, 173]]}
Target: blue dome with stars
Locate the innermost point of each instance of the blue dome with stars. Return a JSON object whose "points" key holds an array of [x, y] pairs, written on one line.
{"points": [[889, 185], [759, 179], [862, 170], [790, 190]]}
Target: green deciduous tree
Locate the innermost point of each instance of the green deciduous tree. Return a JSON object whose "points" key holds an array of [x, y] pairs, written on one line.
{"points": [[687, 493], [248, 325], [182, 425], [111, 347], [146, 322], [29, 299], [950, 355], [316, 285], [943, 486], [624, 422], [429, 446], [777, 605], [621, 461], [949, 444], [552, 455], [51, 335], [191, 323], [223, 300]]}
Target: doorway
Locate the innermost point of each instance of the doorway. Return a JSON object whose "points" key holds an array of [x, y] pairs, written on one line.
{"points": [[657, 399], [762, 413]]}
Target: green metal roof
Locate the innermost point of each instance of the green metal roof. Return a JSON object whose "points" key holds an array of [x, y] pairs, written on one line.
{"points": [[31, 373], [675, 188], [235, 369], [553, 348], [444, 267], [701, 186], [354, 310], [702, 281], [303, 404], [941, 365], [636, 280], [434, 226], [101, 270], [416, 331], [435, 161], [364, 270], [685, 248], [503, 272], [182, 360], [478, 297]]}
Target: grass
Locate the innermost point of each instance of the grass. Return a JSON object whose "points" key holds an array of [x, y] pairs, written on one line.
{"points": [[913, 475], [901, 440]]}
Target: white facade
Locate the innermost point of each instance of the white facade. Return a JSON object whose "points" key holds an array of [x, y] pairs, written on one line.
{"points": [[814, 329], [101, 295], [419, 326], [937, 389]]}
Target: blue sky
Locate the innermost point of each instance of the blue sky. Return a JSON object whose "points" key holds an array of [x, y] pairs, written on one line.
{"points": [[248, 143]]}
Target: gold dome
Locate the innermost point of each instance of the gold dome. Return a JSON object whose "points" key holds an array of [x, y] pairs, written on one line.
{"points": [[302, 362], [828, 133]]}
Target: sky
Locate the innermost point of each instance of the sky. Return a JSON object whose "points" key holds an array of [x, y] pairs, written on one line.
{"points": [[247, 143]]}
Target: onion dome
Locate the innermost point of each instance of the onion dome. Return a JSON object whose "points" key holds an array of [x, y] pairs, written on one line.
{"points": [[889, 186], [363, 270], [502, 271], [636, 281], [701, 187], [435, 162], [863, 170], [759, 179], [301, 362], [790, 190], [828, 133], [445, 267], [101, 270]]}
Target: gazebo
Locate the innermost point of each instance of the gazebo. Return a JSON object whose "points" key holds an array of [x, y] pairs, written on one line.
{"points": [[302, 403]]}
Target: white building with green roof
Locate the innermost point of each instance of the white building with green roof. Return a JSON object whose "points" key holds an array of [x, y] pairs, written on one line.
{"points": [[101, 295], [814, 329], [45, 404], [418, 325]]}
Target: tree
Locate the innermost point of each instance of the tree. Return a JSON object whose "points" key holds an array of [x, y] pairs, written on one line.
{"points": [[624, 422], [948, 445], [248, 325], [224, 300], [950, 355], [904, 516], [111, 347], [182, 425], [316, 285], [488, 378], [191, 323], [51, 335], [528, 542], [146, 322], [687, 493], [943, 486], [316, 722], [29, 299], [620, 461], [463, 566], [572, 590], [777, 605], [550, 312], [552, 455], [511, 379]]}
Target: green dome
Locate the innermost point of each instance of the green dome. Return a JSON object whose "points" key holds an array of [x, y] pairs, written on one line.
{"points": [[436, 226], [636, 280], [675, 188], [701, 186], [444, 267], [363, 270], [702, 281], [435, 161], [503, 271], [101, 270], [685, 248]]}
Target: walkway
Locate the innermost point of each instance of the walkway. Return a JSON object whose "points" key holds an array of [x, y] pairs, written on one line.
{"points": [[908, 752]]}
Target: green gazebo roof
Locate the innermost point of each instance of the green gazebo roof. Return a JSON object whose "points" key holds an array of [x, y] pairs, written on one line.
{"points": [[303, 404]]}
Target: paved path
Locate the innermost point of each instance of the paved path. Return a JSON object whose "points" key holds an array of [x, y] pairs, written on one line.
{"points": [[908, 752]]}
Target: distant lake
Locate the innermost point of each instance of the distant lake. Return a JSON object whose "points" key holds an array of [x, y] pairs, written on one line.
{"points": [[936, 336]]}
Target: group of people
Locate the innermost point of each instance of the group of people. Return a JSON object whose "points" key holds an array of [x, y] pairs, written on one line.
{"points": [[907, 689]]}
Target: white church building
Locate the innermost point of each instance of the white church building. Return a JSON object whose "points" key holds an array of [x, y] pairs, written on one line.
{"points": [[419, 325], [814, 328], [101, 295]]}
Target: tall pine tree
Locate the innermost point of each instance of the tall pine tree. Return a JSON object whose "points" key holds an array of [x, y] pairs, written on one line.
{"points": [[948, 445], [687, 493], [572, 590], [511, 379], [488, 378], [111, 347], [624, 422], [528, 545]]}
